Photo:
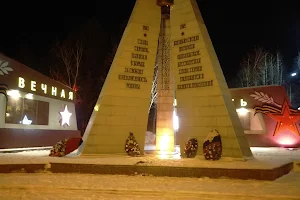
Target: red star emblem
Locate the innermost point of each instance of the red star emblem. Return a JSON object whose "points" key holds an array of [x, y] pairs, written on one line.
{"points": [[285, 120]]}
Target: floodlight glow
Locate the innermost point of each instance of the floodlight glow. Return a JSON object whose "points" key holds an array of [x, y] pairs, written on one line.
{"points": [[29, 96], [15, 94], [175, 121], [242, 111]]}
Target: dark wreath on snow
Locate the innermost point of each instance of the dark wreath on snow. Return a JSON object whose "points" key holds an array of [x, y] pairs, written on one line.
{"points": [[212, 146], [191, 148], [65, 147], [131, 146]]}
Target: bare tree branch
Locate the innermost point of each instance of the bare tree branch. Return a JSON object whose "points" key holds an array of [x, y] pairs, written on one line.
{"points": [[67, 71], [64, 53], [77, 54], [297, 60], [57, 75], [260, 68]]}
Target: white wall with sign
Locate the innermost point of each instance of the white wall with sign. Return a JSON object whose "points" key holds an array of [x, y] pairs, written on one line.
{"points": [[46, 89], [59, 115], [252, 123]]}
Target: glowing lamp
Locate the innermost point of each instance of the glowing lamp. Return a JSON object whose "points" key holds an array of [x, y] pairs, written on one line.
{"points": [[242, 111], [15, 94], [96, 108], [286, 139], [175, 121]]}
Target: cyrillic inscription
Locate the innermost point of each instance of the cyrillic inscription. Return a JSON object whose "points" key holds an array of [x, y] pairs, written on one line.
{"points": [[141, 49], [190, 74], [192, 77], [133, 85], [187, 47], [186, 40], [139, 56], [187, 55], [190, 70], [195, 85], [189, 62], [182, 26], [138, 63], [132, 78], [134, 70], [145, 28], [143, 42]]}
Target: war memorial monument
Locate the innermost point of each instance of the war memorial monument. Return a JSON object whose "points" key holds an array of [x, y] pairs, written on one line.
{"points": [[173, 35]]}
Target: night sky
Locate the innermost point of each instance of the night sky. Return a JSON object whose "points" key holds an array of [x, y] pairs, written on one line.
{"points": [[235, 28]]}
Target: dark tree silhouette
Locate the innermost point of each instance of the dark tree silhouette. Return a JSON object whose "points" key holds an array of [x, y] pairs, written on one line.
{"points": [[91, 70]]}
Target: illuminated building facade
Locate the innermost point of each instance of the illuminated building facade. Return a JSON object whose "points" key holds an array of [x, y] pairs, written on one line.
{"points": [[35, 110], [267, 117]]}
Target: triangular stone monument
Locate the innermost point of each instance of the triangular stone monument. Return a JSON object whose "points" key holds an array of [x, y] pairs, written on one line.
{"points": [[123, 103], [203, 99]]}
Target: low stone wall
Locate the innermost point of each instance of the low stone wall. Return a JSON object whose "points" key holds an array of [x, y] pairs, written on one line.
{"points": [[197, 172]]}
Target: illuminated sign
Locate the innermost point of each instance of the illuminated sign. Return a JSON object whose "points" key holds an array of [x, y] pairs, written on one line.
{"points": [[243, 103], [65, 116], [242, 111], [44, 88], [26, 121]]}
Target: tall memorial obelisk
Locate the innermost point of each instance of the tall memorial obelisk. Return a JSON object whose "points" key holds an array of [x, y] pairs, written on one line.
{"points": [[165, 84], [173, 32]]}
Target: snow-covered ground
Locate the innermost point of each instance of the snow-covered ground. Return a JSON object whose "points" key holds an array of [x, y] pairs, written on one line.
{"points": [[84, 186], [263, 158], [87, 186]]}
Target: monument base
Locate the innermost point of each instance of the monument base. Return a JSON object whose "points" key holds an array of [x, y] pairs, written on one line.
{"points": [[150, 164]]}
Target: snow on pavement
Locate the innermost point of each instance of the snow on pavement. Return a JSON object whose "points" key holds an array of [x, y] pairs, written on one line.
{"points": [[86, 186], [263, 158]]}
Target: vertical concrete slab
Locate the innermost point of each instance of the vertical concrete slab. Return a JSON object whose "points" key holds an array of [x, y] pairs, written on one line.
{"points": [[203, 99], [123, 103]]}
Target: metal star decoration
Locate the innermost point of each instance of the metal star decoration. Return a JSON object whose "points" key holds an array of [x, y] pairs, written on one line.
{"points": [[285, 120], [65, 116]]}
